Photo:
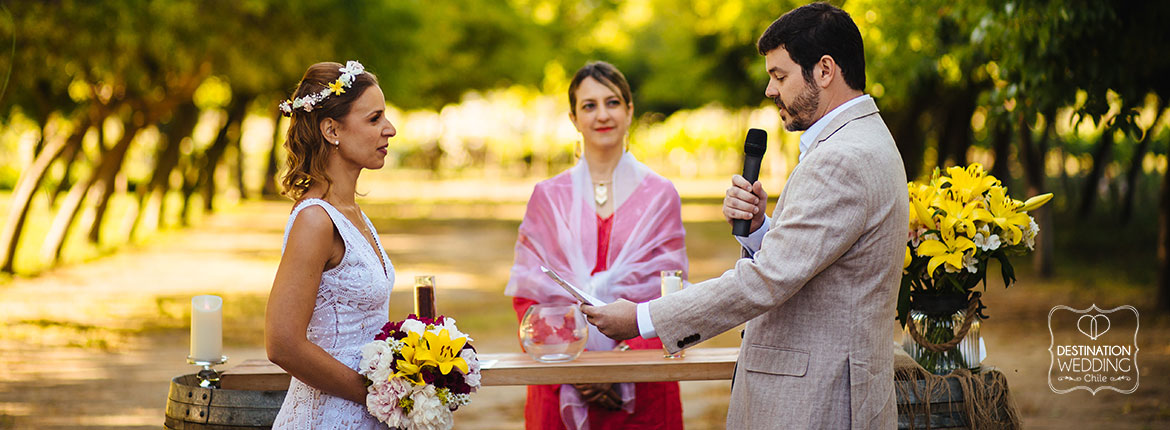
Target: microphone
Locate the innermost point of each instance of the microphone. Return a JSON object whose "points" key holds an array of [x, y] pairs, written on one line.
{"points": [[753, 152]]}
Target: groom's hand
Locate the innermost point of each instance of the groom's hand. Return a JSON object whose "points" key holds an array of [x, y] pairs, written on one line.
{"points": [[745, 201], [618, 320]]}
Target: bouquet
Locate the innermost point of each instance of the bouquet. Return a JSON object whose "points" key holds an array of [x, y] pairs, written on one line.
{"points": [[420, 371], [959, 220]]}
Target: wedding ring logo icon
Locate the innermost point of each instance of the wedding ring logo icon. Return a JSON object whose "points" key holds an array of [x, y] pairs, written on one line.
{"points": [[1088, 325]]}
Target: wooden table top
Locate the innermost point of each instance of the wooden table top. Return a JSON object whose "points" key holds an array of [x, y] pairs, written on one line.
{"points": [[518, 368]]}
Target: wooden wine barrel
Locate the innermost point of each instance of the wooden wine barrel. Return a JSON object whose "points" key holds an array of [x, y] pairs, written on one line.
{"points": [[190, 406], [942, 405]]}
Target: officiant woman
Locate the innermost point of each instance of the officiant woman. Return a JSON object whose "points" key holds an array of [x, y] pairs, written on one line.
{"points": [[609, 225]]}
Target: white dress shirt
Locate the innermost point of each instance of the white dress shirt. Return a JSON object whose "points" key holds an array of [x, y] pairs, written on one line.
{"points": [[754, 241]]}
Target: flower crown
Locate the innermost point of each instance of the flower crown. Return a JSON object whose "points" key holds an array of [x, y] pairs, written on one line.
{"points": [[306, 103]]}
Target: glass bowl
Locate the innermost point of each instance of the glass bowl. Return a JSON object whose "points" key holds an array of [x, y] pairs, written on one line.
{"points": [[553, 333]]}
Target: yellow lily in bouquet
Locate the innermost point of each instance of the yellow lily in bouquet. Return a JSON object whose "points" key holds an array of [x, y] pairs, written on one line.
{"points": [[441, 351], [430, 349], [961, 218], [950, 250]]}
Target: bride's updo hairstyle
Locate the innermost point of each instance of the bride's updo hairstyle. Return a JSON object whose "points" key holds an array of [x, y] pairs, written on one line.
{"points": [[322, 93]]}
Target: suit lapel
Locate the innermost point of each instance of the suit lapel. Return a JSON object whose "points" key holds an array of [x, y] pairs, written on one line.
{"points": [[860, 110]]}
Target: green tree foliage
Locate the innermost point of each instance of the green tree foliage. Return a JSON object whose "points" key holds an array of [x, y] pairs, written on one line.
{"points": [[160, 67], [1048, 50], [685, 56]]}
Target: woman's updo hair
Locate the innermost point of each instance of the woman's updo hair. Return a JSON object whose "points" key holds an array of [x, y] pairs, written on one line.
{"points": [[306, 147], [604, 73]]}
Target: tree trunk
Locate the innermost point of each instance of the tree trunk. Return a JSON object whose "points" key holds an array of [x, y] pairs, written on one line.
{"points": [[41, 117], [68, 157], [1135, 170], [106, 170], [1065, 185], [1001, 144], [151, 196], [103, 196], [191, 175], [229, 132], [238, 144], [1131, 180], [908, 136], [25, 190], [904, 125], [1032, 157], [271, 168], [955, 139], [209, 164], [188, 190], [1164, 243], [1100, 159]]}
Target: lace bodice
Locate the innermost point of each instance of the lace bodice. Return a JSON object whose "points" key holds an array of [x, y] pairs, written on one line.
{"points": [[352, 306]]}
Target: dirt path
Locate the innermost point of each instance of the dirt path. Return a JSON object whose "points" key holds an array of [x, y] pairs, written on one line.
{"points": [[95, 345]]}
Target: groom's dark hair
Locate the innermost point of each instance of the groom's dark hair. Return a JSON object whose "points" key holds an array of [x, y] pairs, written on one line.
{"points": [[815, 30]]}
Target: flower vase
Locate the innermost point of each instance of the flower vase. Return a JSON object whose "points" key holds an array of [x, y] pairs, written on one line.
{"points": [[938, 320]]}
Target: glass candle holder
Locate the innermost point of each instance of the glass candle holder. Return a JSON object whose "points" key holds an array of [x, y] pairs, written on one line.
{"points": [[671, 283], [424, 296]]}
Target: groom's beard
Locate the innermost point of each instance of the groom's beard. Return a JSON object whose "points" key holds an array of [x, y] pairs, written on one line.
{"points": [[801, 111]]}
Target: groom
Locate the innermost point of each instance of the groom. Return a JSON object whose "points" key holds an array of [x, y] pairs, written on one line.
{"points": [[818, 287]]}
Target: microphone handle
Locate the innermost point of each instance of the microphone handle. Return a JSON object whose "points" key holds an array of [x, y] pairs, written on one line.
{"points": [[751, 172]]}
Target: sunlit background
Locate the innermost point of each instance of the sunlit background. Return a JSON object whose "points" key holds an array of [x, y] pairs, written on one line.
{"points": [[140, 152]]}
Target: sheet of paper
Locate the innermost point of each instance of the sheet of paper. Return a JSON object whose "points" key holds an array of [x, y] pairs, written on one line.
{"points": [[581, 296]]}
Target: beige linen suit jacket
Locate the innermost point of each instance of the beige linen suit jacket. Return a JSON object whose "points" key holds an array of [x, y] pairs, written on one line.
{"points": [[819, 295]]}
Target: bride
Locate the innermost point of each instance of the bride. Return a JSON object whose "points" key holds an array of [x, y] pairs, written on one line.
{"points": [[332, 288]]}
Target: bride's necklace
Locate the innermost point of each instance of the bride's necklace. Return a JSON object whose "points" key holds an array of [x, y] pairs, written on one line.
{"points": [[600, 193]]}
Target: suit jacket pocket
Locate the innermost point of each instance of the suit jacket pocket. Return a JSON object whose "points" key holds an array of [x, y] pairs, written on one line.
{"points": [[775, 361]]}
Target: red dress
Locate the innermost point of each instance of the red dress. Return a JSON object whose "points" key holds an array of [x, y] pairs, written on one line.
{"points": [[656, 404]]}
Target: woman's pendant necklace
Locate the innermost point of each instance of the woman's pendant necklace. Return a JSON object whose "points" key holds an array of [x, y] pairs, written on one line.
{"points": [[600, 193]]}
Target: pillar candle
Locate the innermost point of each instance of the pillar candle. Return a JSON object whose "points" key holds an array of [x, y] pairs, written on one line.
{"points": [[206, 328], [671, 281]]}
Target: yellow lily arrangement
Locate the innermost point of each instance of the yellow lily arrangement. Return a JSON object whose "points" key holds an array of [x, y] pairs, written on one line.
{"points": [[959, 219]]}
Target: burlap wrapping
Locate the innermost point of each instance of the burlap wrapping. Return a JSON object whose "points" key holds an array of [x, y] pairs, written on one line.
{"points": [[986, 402]]}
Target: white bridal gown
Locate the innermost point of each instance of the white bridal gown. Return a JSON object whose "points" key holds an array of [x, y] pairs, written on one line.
{"points": [[352, 306]]}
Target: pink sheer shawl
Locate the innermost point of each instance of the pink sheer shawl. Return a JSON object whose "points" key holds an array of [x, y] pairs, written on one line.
{"points": [[559, 231]]}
